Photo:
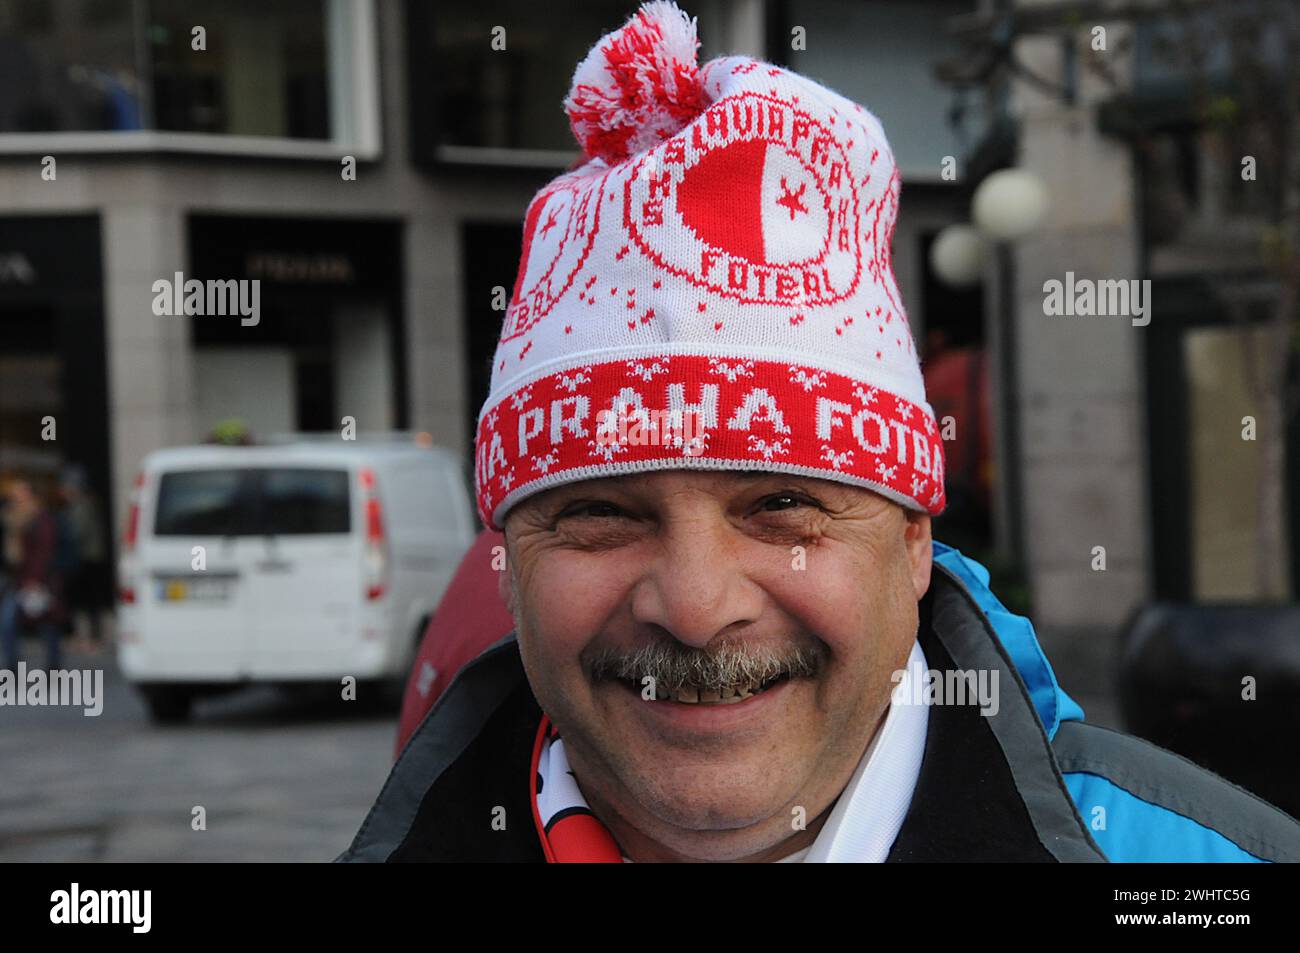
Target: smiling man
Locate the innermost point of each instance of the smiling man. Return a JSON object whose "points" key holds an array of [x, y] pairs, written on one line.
{"points": [[708, 446], [711, 690]]}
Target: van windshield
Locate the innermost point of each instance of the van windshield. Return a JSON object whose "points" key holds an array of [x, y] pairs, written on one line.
{"points": [[253, 502]]}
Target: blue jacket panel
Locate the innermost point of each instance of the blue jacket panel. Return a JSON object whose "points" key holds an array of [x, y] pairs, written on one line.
{"points": [[1139, 802]]}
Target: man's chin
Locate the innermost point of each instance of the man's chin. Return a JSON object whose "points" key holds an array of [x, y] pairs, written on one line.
{"points": [[722, 798], [707, 825]]}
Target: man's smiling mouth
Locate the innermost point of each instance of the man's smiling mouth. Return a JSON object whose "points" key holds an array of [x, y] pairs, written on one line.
{"points": [[694, 695]]}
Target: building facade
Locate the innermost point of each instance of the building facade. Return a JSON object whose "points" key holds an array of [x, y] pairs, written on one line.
{"points": [[368, 162]]}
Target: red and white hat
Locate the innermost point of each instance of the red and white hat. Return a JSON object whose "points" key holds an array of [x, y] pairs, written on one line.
{"points": [[711, 289]]}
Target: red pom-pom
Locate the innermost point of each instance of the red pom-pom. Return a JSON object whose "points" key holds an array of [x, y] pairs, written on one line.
{"points": [[638, 85]]}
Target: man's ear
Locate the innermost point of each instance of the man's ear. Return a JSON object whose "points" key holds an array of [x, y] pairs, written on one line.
{"points": [[917, 539]]}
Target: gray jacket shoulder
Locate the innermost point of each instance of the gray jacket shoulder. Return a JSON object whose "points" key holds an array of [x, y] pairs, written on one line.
{"points": [[1171, 781]]}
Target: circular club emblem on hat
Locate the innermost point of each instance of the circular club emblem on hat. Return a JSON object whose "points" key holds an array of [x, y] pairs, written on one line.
{"points": [[558, 233], [754, 200]]}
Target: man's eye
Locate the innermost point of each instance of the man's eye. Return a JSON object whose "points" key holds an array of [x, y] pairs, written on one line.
{"points": [[792, 499], [591, 509]]}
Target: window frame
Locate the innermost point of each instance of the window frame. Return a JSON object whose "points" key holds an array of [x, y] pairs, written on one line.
{"points": [[355, 109]]}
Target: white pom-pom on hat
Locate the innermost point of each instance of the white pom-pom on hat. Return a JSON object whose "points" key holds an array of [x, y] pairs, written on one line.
{"points": [[638, 85]]}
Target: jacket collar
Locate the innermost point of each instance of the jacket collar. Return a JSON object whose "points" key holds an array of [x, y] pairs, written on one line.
{"points": [[1016, 633], [989, 787]]}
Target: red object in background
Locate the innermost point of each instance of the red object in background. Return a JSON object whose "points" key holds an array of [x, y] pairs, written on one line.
{"points": [[470, 617], [957, 385]]}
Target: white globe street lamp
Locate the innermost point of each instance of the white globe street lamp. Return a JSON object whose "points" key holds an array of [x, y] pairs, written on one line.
{"points": [[1009, 204], [958, 255]]}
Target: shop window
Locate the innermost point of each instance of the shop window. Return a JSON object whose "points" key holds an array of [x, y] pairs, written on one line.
{"points": [[294, 77], [1234, 555], [264, 72], [474, 102], [882, 55], [1223, 441]]}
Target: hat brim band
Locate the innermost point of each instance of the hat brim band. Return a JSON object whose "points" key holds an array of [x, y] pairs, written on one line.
{"points": [[702, 412]]}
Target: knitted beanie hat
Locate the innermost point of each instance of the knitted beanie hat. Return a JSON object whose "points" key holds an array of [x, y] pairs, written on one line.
{"points": [[711, 289]]}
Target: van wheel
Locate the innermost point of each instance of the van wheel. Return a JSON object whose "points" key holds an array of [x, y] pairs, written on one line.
{"points": [[168, 705]]}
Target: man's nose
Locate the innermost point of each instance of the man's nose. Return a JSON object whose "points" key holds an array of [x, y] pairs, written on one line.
{"points": [[697, 585]]}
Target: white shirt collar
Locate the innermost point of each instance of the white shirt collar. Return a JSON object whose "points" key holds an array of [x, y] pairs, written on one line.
{"points": [[869, 813]]}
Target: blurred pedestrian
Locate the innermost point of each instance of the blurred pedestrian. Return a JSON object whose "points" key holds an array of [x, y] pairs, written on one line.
{"points": [[82, 555], [34, 597], [4, 537]]}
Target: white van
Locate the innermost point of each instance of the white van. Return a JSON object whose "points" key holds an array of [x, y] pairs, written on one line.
{"points": [[291, 562]]}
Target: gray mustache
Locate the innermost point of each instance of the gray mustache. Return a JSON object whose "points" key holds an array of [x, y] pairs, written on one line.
{"points": [[674, 666]]}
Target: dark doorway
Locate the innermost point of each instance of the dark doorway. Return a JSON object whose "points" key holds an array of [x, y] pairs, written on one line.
{"points": [[330, 338], [53, 367], [491, 260]]}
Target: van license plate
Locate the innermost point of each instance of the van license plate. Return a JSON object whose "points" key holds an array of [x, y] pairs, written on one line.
{"points": [[193, 590]]}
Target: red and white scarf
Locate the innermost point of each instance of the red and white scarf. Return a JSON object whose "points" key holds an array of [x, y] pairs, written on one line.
{"points": [[569, 831]]}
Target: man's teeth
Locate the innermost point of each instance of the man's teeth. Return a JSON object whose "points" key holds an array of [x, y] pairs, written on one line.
{"points": [[690, 695]]}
